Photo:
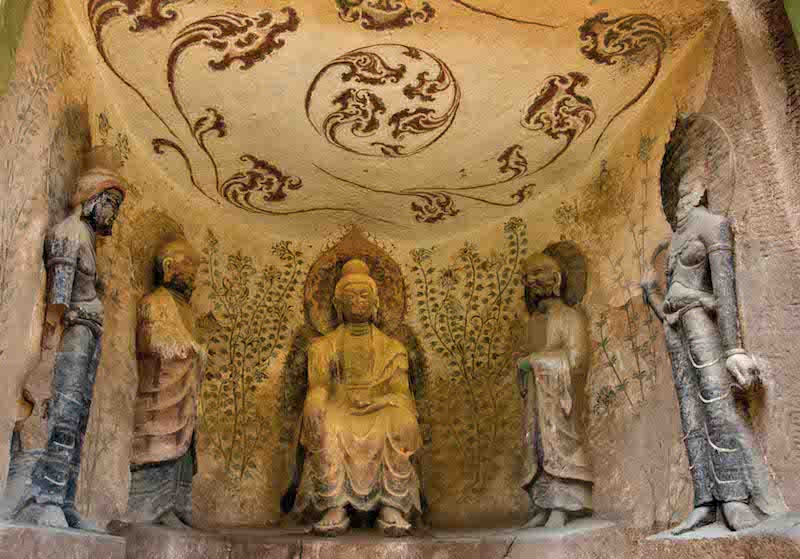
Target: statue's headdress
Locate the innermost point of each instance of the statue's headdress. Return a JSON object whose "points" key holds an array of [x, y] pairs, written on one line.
{"points": [[698, 140], [101, 166]]}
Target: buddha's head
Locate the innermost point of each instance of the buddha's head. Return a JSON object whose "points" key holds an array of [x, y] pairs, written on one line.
{"points": [[176, 267], [541, 276], [356, 296]]}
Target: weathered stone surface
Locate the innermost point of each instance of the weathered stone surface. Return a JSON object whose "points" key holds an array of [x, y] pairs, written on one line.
{"points": [[28, 542], [778, 538]]}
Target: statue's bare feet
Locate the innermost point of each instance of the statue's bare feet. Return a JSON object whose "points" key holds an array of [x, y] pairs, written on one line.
{"points": [[539, 519], [392, 523], [334, 522], [558, 519], [740, 516], [699, 517], [47, 515]]}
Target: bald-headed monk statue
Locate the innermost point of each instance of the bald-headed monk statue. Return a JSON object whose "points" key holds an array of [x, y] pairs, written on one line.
{"points": [[359, 426], [171, 362], [552, 380]]}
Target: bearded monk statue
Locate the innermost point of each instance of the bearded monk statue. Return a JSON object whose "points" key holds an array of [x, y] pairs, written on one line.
{"points": [[171, 361], [359, 425], [552, 381]]}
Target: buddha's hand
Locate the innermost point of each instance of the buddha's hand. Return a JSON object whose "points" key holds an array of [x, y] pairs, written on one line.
{"points": [[743, 369], [366, 407]]}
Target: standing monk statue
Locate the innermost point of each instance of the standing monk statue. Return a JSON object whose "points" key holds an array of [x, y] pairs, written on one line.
{"points": [[359, 427], [73, 301], [552, 381], [171, 363], [700, 318]]}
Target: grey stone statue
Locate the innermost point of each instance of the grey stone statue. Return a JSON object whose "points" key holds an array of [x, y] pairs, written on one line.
{"points": [[72, 300], [552, 380], [700, 318]]}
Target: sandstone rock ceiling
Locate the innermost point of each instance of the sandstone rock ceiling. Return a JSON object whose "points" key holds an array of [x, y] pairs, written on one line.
{"points": [[403, 114]]}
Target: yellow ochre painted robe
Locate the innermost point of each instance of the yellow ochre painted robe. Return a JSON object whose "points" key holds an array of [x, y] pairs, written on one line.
{"points": [[359, 460]]}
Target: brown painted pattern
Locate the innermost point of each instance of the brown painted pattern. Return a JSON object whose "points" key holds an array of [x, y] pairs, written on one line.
{"points": [[365, 111], [383, 15], [607, 41], [560, 111], [263, 180]]}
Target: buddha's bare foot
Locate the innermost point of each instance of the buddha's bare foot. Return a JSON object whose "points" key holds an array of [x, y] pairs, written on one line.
{"points": [[558, 519], [539, 519], [334, 522], [392, 523], [699, 517], [740, 516]]}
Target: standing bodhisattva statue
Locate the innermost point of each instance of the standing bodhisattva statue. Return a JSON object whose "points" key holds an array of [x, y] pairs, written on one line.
{"points": [[359, 427], [700, 318], [552, 381], [72, 299], [171, 361]]}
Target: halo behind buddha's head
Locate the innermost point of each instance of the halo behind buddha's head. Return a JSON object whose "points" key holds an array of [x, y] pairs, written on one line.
{"points": [[354, 257]]}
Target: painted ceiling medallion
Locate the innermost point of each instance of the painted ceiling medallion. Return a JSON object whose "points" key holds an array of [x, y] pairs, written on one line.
{"points": [[383, 101]]}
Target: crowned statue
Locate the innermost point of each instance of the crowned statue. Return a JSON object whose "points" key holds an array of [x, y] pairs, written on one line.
{"points": [[700, 313], [359, 425]]}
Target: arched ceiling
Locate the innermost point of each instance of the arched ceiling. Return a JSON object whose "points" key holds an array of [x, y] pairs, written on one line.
{"points": [[409, 115]]}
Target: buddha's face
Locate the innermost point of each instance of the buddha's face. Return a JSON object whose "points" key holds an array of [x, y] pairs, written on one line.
{"points": [[356, 303]]}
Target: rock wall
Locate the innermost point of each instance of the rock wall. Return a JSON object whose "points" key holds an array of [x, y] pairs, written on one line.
{"points": [[253, 278]]}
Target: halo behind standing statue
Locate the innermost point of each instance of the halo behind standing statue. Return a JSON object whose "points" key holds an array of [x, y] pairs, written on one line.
{"points": [[327, 270]]}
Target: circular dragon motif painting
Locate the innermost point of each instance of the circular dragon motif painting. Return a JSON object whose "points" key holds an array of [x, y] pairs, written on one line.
{"points": [[383, 100]]}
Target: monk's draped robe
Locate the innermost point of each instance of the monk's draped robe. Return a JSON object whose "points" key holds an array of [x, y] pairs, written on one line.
{"points": [[359, 460], [171, 363], [558, 473]]}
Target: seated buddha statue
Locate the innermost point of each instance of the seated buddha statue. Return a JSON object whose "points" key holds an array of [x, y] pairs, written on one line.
{"points": [[359, 424]]}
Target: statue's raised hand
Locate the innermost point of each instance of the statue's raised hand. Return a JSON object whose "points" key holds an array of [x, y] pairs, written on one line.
{"points": [[744, 370]]}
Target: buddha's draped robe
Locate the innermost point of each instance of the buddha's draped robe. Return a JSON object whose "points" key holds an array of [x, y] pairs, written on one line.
{"points": [[359, 460], [558, 472]]}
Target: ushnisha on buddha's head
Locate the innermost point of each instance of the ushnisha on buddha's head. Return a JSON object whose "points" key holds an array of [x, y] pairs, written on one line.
{"points": [[356, 295], [541, 276], [176, 267]]}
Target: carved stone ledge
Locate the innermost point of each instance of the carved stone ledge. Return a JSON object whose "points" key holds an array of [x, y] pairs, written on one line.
{"points": [[586, 539], [29, 542], [776, 538]]}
